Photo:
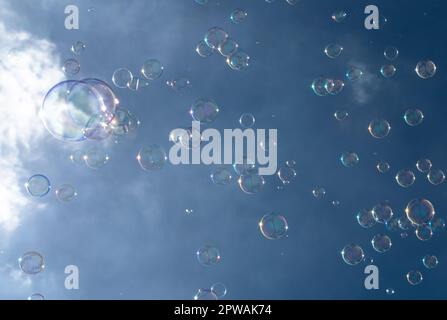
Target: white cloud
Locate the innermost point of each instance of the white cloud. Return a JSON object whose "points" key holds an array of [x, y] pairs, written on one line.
{"points": [[28, 68]]}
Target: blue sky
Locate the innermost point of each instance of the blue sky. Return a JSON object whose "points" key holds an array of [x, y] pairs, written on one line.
{"points": [[127, 231]]}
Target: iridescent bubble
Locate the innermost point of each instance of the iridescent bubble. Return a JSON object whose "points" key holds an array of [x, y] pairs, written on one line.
{"points": [[107, 97], [414, 277], [215, 37], [238, 16], [203, 49], [352, 254], [354, 74], [349, 159], [391, 53], [70, 106], [221, 176], [152, 157], [390, 291], [78, 47], [365, 218], [31, 262], [423, 165], [36, 296], [273, 226], [180, 84], [152, 69], [124, 122], [339, 16], [208, 255], [333, 50], [247, 166], [413, 117], [319, 192], [66, 192], [205, 294], [425, 69], [405, 178], [430, 261], [424, 232], [251, 183], [122, 77], [420, 211], [96, 158], [437, 224], [319, 87], [382, 212], [238, 60], [219, 289], [247, 120], [286, 174], [381, 243], [334, 87], [379, 129], [71, 67], [388, 70], [404, 223], [383, 167], [341, 115], [436, 176], [228, 47], [204, 110], [38, 185]]}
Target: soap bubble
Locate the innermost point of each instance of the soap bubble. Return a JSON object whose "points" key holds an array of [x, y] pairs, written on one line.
{"points": [[341, 115], [238, 16], [66, 192], [383, 167], [391, 53], [179, 84], [381, 243], [31, 262], [205, 294], [122, 77], [423, 165], [204, 110], [152, 157], [319, 192], [273, 226], [221, 176], [425, 69], [404, 223], [78, 47], [379, 129], [38, 185], [420, 211], [354, 74], [424, 232], [333, 50], [437, 224], [71, 67], [152, 69], [366, 219], [36, 296], [388, 70], [405, 178], [228, 47], [319, 87], [334, 87], [349, 159], [413, 117], [219, 289], [215, 37], [352, 254], [251, 183], [208, 255], [286, 174], [339, 16], [390, 291], [203, 49], [414, 277], [430, 261], [382, 212], [436, 176], [247, 120], [238, 60], [96, 158]]}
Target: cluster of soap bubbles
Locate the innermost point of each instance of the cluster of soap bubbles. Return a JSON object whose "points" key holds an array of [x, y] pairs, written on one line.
{"points": [[151, 69], [94, 157], [217, 39], [324, 86], [216, 292], [287, 172], [79, 110], [71, 66], [38, 185]]}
